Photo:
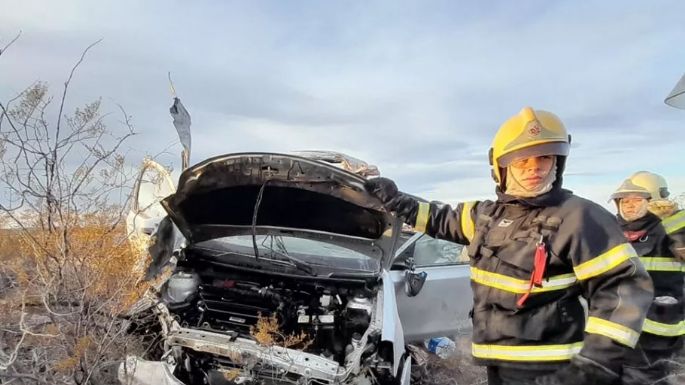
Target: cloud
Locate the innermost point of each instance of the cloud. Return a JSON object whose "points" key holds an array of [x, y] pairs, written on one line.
{"points": [[417, 88]]}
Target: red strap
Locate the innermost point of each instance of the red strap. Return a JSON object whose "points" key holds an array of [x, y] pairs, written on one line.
{"points": [[539, 266], [633, 236]]}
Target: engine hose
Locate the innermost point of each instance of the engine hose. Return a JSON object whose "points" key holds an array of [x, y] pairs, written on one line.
{"points": [[274, 297]]}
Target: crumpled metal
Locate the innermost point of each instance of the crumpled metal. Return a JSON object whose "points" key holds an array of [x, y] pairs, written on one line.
{"points": [[136, 371]]}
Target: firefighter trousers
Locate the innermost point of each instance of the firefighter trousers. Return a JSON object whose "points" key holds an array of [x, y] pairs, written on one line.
{"points": [[498, 375], [649, 367]]}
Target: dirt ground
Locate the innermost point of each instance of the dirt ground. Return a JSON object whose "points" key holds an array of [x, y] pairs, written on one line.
{"points": [[457, 369]]}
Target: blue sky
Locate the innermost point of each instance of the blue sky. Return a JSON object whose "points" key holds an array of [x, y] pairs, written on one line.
{"points": [[416, 87]]}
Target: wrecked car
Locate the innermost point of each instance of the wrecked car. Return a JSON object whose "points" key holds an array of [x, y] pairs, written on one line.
{"points": [[285, 270]]}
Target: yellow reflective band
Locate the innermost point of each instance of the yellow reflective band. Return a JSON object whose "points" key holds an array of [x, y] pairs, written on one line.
{"points": [[468, 228], [666, 330], [619, 333], [520, 286], [605, 262], [422, 217], [674, 223], [527, 352], [662, 264]]}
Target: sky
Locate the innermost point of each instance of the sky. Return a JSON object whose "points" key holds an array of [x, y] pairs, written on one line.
{"points": [[417, 88]]}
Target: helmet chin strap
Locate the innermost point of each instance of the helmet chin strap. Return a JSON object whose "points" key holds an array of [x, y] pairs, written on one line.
{"points": [[514, 188]]}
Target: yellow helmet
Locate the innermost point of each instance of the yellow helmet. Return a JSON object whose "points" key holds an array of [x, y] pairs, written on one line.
{"points": [[529, 133]]}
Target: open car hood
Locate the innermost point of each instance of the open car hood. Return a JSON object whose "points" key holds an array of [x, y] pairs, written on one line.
{"points": [[300, 197]]}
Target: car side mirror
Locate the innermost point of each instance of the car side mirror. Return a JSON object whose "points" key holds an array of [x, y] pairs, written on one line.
{"points": [[413, 282]]}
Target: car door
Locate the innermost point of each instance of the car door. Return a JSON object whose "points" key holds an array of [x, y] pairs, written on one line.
{"points": [[442, 306], [153, 184]]}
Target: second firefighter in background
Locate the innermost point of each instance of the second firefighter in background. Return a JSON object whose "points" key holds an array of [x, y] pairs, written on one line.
{"points": [[637, 200]]}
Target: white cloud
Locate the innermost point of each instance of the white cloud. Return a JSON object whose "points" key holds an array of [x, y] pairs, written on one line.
{"points": [[417, 88]]}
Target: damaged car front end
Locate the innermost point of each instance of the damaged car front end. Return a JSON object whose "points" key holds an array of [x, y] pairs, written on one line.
{"points": [[281, 275]]}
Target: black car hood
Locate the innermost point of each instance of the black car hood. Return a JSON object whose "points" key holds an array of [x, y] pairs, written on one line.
{"points": [[299, 197]]}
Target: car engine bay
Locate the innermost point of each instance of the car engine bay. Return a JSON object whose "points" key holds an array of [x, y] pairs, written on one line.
{"points": [[226, 325]]}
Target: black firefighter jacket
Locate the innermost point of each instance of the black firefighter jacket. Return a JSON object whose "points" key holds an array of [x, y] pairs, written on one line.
{"points": [[586, 255], [675, 228], [664, 325]]}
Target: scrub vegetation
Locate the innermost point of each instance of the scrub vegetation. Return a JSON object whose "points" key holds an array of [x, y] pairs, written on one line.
{"points": [[66, 266]]}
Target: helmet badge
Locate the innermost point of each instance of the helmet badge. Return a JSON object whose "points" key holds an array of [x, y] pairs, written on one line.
{"points": [[534, 128]]}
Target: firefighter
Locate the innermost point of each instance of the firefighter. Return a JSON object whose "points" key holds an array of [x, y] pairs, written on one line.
{"points": [[533, 251], [673, 219], [663, 329]]}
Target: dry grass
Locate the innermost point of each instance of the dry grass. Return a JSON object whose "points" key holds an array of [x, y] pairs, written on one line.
{"points": [[267, 332], [62, 292]]}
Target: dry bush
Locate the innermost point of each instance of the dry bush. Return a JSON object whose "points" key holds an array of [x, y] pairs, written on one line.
{"points": [[66, 272], [267, 332]]}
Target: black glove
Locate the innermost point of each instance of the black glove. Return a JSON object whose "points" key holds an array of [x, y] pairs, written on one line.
{"points": [[404, 206], [581, 370], [382, 188]]}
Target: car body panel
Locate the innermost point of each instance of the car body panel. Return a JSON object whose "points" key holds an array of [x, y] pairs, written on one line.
{"points": [[392, 326], [136, 371], [154, 183], [346, 162], [442, 306], [268, 193]]}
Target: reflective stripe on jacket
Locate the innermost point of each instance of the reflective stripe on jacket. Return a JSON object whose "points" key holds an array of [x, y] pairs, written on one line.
{"points": [[675, 222], [664, 323], [587, 255], [675, 228]]}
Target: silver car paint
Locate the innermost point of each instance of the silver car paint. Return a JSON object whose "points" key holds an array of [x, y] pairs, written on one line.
{"points": [[136, 371], [392, 326]]}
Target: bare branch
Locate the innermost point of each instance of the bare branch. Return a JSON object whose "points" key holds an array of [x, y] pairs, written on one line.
{"points": [[90, 169], [66, 87], [20, 376], [10, 43]]}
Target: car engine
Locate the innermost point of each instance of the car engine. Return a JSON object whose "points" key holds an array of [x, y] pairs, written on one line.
{"points": [[227, 326]]}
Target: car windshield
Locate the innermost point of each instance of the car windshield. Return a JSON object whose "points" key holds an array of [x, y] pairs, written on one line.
{"points": [[323, 256]]}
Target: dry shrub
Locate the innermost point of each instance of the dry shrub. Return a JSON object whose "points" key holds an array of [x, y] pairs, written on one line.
{"points": [[90, 260], [67, 291], [79, 350], [65, 264], [267, 332], [232, 374]]}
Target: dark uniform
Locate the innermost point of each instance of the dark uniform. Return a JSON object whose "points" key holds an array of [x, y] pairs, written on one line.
{"points": [[531, 260], [587, 256], [663, 329], [675, 228]]}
